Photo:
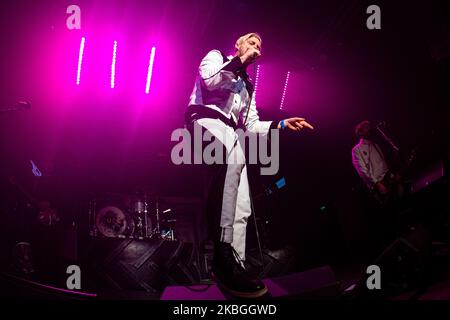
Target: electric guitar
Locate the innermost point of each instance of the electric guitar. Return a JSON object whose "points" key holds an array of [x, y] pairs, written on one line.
{"points": [[393, 182]]}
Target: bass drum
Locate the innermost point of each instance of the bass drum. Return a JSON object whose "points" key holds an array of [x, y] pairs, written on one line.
{"points": [[113, 222]]}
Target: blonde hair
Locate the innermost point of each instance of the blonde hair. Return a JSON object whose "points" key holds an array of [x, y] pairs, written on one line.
{"points": [[247, 36]]}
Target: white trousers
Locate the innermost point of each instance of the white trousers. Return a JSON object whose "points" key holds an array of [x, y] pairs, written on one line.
{"points": [[235, 206]]}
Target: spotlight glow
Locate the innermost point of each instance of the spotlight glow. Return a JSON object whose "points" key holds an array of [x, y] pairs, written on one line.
{"points": [[113, 66], [284, 90], [150, 70], [80, 60]]}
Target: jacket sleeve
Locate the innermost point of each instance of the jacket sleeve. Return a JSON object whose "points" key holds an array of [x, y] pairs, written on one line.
{"points": [[361, 168], [253, 124], [217, 74]]}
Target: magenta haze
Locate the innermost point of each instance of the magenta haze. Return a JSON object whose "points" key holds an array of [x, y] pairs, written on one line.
{"points": [[213, 152], [114, 127]]}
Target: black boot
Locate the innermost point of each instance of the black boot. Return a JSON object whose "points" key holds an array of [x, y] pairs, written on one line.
{"points": [[231, 276]]}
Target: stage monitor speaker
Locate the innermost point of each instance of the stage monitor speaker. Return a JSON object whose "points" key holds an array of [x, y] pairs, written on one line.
{"points": [[315, 284]]}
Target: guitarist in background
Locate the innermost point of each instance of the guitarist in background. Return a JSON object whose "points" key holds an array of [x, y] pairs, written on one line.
{"points": [[370, 163], [383, 184]]}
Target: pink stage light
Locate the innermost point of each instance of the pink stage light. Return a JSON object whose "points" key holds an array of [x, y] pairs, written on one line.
{"points": [[80, 60], [256, 80], [150, 70], [284, 90], [113, 66]]}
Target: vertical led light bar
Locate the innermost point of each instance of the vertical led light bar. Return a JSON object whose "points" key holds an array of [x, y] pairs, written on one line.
{"points": [[113, 66], [284, 90], [150, 70], [80, 60], [256, 80]]}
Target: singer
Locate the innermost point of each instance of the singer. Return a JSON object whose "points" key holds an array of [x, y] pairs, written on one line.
{"points": [[221, 97]]}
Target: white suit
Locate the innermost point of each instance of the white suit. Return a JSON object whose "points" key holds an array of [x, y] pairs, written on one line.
{"points": [[221, 89]]}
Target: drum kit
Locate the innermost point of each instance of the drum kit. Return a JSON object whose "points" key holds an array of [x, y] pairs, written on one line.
{"points": [[137, 216]]}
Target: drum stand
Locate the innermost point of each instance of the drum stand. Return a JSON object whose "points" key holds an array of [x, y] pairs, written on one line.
{"points": [[93, 231], [165, 234], [140, 232], [158, 231], [143, 229], [146, 218]]}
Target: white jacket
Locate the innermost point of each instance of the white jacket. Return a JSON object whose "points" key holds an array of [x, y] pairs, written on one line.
{"points": [[218, 87]]}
